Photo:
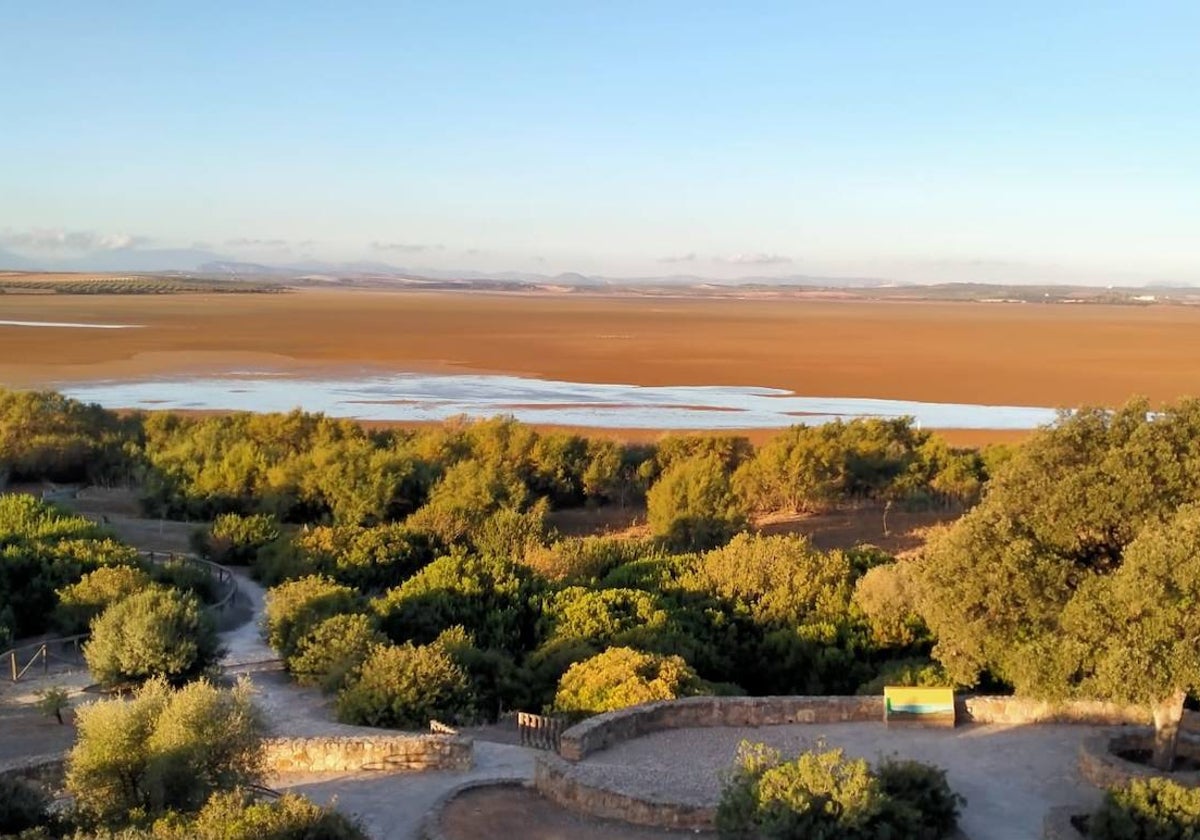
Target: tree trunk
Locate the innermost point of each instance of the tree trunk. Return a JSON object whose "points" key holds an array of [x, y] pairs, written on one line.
{"points": [[1168, 712]]}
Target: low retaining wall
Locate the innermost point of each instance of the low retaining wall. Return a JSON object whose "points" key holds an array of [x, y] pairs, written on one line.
{"points": [[431, 824], [48, 771], [1103, 768], [603, 731], [554, 780], [369, 752]]}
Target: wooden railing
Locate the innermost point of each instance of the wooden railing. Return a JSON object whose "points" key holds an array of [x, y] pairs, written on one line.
{"points": [[67, 650], [540, 731]]}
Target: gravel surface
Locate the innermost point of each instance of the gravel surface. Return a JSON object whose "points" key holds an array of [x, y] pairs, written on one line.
{"points": [[1010, 775]]}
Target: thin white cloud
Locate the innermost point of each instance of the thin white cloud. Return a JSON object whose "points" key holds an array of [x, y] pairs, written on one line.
{"points": [[404, 247], [679, 258], [56, 240], [756, 259], [243, 242]]}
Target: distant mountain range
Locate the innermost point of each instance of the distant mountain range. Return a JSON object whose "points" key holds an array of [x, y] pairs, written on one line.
{"points": [[198, 261]]}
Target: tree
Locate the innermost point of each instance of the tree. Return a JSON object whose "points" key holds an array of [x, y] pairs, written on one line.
{"points": [[1137, 631], [295, 607], [621, 677], [163, 749], [1065, 581], [404, 686], [81, 602], [333, 650], [691, 506], [154, 633]]}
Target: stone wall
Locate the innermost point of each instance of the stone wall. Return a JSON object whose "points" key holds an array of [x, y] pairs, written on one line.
{"points": [[48, 771], [602, 731], [554, 780], [369, 752], [1022, 710], [1099, 764]]}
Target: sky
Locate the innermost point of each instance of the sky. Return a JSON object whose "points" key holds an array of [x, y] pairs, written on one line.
{"points": [[918, 141]]}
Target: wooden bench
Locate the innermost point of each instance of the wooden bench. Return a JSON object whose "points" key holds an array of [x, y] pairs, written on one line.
{"points": [[924, 706]]}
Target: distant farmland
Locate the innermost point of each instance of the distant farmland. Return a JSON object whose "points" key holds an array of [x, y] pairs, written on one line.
{"points": [[16, 283]]}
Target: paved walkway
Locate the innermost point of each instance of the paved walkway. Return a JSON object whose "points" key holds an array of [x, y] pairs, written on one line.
{"points": [[390, 805], [1010, 775]]}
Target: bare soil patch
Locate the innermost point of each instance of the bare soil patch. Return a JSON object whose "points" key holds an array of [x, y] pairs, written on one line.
{"points": [[511, 811]]}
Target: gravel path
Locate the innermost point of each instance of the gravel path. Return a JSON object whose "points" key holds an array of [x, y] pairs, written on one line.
{"points": [[1010, 775]]}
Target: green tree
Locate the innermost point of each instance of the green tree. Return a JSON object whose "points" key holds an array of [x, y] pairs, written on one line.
{"points": [[329, 654], [80, 602], [296, 607], [404, 686], [1032, 584], [154, 633], [621, 677], [691, 506], [163, 749]]}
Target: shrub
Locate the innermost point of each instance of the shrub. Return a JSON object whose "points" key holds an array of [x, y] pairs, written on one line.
{"points": [[916, 671], [81, 602], [692, 507], [822, 795], [295, 607], [332, 650], [155, 633], [22, 805], [1148, 809], [53, 701], [621, 677], [923, 789], [584, 559], [187, 576], [887, 596], [164, 749], [236, 815], [404, 686], [235, 540]]}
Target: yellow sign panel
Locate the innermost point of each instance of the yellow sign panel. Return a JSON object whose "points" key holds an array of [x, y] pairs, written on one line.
{"points": [[919, 705]]}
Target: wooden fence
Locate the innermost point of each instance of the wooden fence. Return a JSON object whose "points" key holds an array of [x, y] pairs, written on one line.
{"points": [[539, 731], [66, 650], [69, 649]]}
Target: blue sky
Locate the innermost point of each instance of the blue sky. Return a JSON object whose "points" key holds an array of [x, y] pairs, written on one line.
{"points": [[921, 141]]}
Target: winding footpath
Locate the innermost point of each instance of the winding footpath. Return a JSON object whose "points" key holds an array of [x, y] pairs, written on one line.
{"points": [[390, 805]]}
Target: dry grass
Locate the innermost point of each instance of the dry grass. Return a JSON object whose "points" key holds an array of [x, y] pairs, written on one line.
{"points": [[1055, 355]]}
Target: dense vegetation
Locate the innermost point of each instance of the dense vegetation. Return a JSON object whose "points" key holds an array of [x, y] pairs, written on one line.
{"points": [[168, 764], [144, 284], [1148, 809], [822, 795], [1079, 572]]}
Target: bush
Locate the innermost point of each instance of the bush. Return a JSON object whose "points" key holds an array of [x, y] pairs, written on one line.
{"points": [[692, 507], [923, 789], [1148, 809], [155, 633], [53, 701], [235, 540], [22, 805], [332, 650], [915, 671], [295, 607], [81, 602], [164, 749], [887, 596], [405, 686], [187, 576], [621, 677], [236, 815], [822, 795]]}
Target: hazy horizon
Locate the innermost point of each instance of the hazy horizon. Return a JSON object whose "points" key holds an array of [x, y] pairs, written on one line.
{"points": [[937, 143]]}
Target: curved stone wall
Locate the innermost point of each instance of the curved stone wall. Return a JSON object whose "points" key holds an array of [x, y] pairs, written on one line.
{"points": [[368, 752], [1099, 764], [602, 731]]}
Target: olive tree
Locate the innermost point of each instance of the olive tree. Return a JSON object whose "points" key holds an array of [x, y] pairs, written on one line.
{"points": [[1075, 574]]}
